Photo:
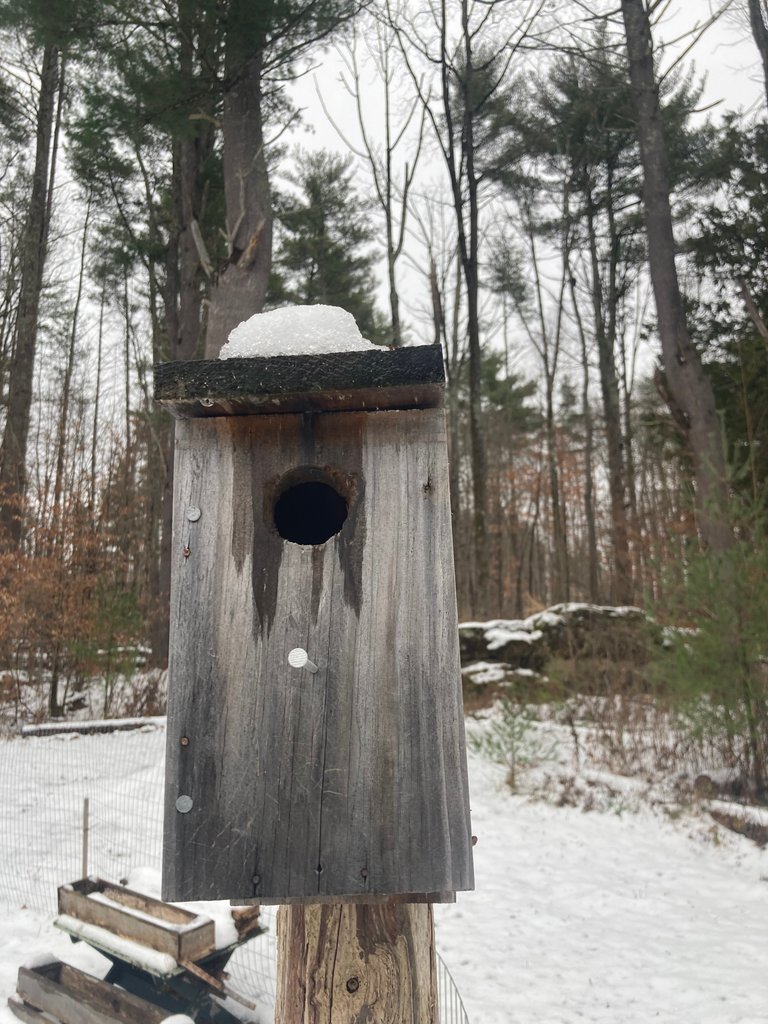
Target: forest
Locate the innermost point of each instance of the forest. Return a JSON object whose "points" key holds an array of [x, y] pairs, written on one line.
{"points": [[538, 186]]}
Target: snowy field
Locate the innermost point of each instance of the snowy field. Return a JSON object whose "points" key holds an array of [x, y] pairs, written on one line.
{"points": [[604, 916]]}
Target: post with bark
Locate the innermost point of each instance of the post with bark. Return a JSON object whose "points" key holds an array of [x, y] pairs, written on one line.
{"points": [[315, 728]]}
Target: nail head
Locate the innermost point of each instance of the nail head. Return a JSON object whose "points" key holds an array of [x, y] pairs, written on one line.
{"points": [[193, 513], [184, 804]]}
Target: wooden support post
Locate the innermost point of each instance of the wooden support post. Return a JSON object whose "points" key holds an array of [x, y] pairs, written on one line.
{"points": [[346, 963]]}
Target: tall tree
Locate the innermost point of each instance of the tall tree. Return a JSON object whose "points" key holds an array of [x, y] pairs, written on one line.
{"points": [[262, 41], [758, 20], [325, 250], [691, 394], [472, 54], [13, 449]]}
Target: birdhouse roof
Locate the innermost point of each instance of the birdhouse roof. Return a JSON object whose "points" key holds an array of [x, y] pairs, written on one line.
{"points": [[402, 378]]}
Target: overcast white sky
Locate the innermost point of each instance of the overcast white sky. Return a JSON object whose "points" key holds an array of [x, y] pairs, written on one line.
{"points": [[725, 53]]}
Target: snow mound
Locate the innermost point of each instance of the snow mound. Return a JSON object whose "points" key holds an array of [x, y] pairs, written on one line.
{"points": [[296, 330]]}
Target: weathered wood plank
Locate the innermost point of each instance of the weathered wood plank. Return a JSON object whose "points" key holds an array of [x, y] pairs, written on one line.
{"points": [[400, 378], [340, 964], [73, 997], [351, 781], [150, 922], [28, 1014]]}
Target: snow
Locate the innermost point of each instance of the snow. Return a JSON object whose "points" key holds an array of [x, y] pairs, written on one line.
{"points": [[147, 881], [160, 964], [296, 330], [499, 636], [140, 915], [95, 725], [609, 917], [481, 673]]}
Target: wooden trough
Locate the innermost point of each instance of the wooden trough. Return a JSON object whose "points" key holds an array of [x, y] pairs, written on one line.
{"points": [[153, 924], [70, 996]]}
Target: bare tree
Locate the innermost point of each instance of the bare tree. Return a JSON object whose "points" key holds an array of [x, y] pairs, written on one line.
{"points": [[472, 65], [392, 190]]}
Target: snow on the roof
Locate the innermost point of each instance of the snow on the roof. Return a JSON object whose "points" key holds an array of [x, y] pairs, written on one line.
{"points": [[296, 330]]}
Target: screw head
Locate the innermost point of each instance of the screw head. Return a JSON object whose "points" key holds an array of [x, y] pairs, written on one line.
{"points": [[193, 513], [206, 402], [184, 741], [353, 984]]}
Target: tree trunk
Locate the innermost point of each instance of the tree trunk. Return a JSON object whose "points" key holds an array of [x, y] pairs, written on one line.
{"points": [[621, 585], [469, 248], [593, 586], [58, 484], [13, 450], [241, 288], [758, 20], [688, 385], [354, 963]]}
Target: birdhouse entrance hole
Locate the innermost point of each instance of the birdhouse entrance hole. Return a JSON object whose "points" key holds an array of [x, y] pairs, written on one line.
{"points": [[309, 512]]}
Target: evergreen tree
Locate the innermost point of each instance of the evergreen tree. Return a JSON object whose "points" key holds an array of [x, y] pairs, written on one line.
{"points": [[325, 254]]}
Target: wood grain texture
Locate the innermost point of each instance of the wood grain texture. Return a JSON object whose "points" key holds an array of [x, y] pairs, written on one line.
{"points": [[73, 997], [379, 379], [28, 1014], [346, 964], [350, 781]]}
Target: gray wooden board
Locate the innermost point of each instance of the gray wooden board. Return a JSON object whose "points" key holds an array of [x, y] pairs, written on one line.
{"points": [[352, 780], [376, 379], [73, 997]]}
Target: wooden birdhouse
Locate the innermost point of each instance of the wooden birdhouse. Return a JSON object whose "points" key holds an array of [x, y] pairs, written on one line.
{"points": [[315, 726]]}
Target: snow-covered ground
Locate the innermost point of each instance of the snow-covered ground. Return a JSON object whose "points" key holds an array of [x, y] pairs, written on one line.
{"points": [[606, 916]]}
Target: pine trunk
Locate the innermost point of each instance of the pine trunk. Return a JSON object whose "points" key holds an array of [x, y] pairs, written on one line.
{"points": [[241, 288], [758, 19], [350, 963], [13, 451], [688, 385]]}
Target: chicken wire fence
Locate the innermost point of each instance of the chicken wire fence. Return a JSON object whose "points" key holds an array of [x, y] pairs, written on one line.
{"points": [[45, 780]]}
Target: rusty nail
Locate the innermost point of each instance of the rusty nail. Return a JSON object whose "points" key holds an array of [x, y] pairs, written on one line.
{"points": [[474, 840], [185, 551], [184, 741], [353, 984]]}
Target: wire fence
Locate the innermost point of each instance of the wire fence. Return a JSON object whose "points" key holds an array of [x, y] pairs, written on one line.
{"points": [[44, 782]]}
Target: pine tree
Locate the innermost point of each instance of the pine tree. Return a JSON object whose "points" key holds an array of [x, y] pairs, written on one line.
{"points": [[325, 254]]}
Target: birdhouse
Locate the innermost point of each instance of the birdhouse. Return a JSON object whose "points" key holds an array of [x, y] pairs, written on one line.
{"points": [[315, 725]]}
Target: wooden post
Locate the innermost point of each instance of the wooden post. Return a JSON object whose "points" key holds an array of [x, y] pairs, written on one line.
{"points": [[86, 826], [346, 963]]}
